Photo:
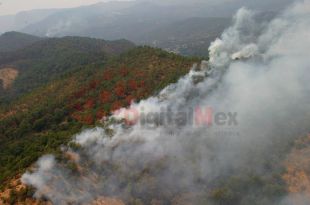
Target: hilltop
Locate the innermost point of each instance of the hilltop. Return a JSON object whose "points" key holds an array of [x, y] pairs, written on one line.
{"points": [[50, 58], [12, 41]]}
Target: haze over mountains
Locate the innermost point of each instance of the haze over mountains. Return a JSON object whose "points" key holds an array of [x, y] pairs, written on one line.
{"points": [[136, 20], [23, 19]]}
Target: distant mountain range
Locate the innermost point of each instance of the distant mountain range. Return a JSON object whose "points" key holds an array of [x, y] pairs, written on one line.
{"points": [[189, 24], [191, 36], [23, 19]]}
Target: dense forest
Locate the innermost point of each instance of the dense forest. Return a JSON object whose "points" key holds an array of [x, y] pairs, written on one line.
{"points": [[49, 59], [12, 41], [48, 117]]}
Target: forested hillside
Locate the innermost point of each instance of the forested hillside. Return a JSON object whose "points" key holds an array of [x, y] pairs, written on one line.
{"points": [[12, 41], [49, 59], [41, 121]]}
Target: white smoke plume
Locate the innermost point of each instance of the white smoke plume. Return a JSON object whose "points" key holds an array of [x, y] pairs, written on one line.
{"points": [[259, 72]]}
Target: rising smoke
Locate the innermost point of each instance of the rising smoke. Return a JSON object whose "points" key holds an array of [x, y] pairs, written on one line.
{"points": [[258, 70]]}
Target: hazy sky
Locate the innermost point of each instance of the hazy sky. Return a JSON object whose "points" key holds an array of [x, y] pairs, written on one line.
{"points": [[14, 6]]}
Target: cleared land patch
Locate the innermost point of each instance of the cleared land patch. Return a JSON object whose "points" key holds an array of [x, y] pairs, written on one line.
{"points": [[7, 76]]}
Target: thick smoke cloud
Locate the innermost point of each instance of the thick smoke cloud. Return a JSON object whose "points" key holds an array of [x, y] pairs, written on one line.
{"points": [[258, 70]]}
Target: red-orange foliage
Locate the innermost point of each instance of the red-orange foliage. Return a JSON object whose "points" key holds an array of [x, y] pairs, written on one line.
{"points": [[139, 74], [120, 89], [107, 75], [78, 107], [129, 99], [85, 119], [133, 85], [77, 117], [142, 94], [93, 84], [116, 105], [124, 71], [89, 104], [105, 96], [79, 94], [100, 114], [141, 84], [88, 119]]}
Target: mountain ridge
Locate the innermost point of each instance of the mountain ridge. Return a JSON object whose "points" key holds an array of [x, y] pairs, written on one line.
{"points": [[13, 40], [49, 58]]}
